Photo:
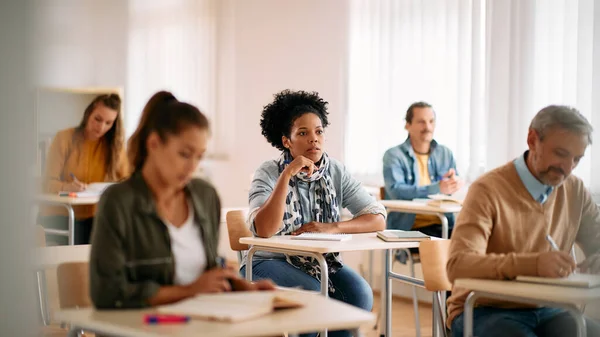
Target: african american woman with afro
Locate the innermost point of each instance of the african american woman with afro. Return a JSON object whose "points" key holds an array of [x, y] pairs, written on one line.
{"points": [[305, 190]]}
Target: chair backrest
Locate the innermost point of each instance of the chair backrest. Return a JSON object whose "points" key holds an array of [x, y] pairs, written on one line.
{"points": [[434, 257], [40, 236], [73, 285], [382, 193], [237, 228]]}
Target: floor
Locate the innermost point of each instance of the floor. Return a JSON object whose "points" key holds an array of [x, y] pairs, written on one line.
{"points": [[403, 319]]}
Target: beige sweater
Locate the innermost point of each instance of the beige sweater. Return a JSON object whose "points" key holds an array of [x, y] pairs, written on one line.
{"points": [[501, 229]]}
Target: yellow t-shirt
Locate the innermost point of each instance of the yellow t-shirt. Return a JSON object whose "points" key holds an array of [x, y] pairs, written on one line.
{"points": [[423, 220]]}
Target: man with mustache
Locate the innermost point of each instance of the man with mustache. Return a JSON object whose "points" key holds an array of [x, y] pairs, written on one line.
{"points": [[417, 168], [508, 213]]}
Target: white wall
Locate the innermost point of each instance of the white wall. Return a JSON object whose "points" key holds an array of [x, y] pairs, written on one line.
{"points": [[82, 42], [274, 45]]}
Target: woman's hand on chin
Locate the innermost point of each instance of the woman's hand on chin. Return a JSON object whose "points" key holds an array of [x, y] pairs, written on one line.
{"points": [[317, 227]]}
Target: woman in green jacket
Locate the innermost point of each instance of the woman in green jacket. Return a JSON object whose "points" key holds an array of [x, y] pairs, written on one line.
{"points": [[155, 235]]}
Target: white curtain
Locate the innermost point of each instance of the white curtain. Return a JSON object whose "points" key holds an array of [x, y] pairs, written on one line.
{"points": [[486, 66], [539, 53], [407, 51], [172, 46]]}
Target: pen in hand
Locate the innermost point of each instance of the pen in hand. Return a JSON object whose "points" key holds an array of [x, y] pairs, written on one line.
{"points": [[552, 242], [555, 247]]}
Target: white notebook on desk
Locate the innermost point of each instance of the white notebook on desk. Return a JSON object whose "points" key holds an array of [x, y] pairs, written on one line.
{"points": [[574, 280], [322, 237]]}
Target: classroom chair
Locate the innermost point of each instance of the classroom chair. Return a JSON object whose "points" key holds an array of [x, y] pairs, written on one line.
{"points": [[73, 286], [237, 228], [434, 257], [47, 329], [412, 257]]}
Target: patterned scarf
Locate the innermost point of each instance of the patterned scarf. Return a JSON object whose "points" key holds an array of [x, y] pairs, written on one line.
{"points": [[326, 210]]}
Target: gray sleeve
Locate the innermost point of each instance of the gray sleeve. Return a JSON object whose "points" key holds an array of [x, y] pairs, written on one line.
{"points": [[356, 198], [262, 186]]}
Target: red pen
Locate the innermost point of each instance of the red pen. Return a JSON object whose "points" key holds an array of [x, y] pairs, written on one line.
{"points": [[165, 319]]}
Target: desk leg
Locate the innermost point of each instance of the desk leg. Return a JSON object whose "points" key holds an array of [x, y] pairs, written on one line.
{"points": [[436, 319], [371, 258], [468, 315], [388, 293], [249, 257], [444, 222], [71, 224], [41, 285]]}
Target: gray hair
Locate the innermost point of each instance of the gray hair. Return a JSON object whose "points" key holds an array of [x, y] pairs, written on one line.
{"points": [[564, 117]]}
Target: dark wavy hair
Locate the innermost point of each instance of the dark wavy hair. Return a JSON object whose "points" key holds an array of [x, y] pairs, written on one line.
{"points": [[278, 116], [114, 137], [165, 115]]}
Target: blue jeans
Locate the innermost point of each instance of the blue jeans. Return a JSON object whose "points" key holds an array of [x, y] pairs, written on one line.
{"points": [[349, 286], [539, 322]]}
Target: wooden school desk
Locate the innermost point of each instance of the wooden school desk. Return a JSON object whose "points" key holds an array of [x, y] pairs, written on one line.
{"points": [[68, 203], [568, 298], [316, 249], [418, 207], [318, 313]]}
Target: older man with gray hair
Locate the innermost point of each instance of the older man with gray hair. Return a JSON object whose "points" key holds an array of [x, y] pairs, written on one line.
{"points": [[506, 216]]}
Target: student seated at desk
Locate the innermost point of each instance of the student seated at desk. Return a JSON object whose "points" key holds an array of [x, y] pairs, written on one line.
{"points": [[156, 234], [417, 168], [92, 152], [304, 190], [501, 230]]}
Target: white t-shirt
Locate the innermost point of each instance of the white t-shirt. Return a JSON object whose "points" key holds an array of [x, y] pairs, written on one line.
{"points": [[188, 249]]}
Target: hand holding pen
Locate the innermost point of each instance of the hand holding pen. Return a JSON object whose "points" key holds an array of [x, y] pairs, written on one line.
{"points": [[75, 185], [555, 263]]}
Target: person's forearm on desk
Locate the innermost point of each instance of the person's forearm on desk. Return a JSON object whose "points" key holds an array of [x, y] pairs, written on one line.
{"points": [[363, 224]]}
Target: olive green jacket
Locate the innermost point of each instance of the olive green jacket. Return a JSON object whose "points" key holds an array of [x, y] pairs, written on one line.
{"points": [[131, 255]]}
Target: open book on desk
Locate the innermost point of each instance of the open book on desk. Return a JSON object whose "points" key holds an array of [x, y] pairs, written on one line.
{"points": [[574, 280], [232, 306]]}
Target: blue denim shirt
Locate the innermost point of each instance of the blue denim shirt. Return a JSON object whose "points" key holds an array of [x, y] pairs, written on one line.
{"points": [[401, 177], [349, 191]]}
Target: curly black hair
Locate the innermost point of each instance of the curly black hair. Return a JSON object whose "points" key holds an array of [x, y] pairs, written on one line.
{"points": [[278, 116]]}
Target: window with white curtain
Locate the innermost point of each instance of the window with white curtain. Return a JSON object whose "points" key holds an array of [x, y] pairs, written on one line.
{"points": [[486, 67], [173, 47]]}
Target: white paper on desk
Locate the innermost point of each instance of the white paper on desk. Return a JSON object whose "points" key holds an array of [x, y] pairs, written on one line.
{"points": [[97, 187], [578, 280], [93, 190]]}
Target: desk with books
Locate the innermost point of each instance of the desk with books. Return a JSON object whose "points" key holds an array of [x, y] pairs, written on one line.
{"points": [[436, 207], [568, 298], [316, 249], [317, 313]]}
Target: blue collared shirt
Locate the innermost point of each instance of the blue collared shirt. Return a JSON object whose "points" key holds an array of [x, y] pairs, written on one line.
{"points": [[539, 191], [401, 177]]}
